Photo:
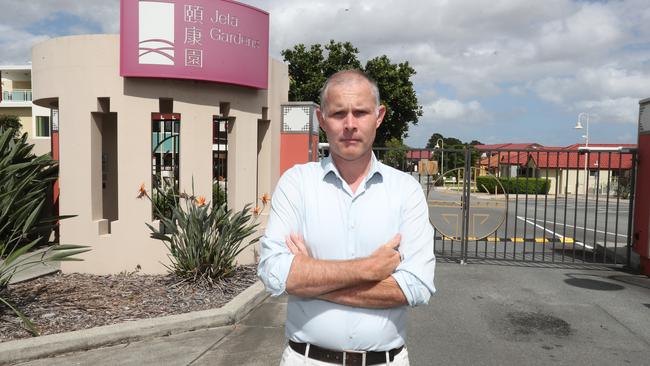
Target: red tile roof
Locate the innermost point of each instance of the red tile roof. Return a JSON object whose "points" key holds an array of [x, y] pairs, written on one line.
{"points": [[561, 158], [418, 154], [507, 146]]}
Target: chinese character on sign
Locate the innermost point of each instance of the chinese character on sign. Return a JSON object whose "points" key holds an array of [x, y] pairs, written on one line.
{"points": [[193, 36], [194, 58], [193, 14]]}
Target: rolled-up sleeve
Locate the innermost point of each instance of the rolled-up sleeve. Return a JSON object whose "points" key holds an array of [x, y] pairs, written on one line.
{"points": [[415, 273], [275, 257]]}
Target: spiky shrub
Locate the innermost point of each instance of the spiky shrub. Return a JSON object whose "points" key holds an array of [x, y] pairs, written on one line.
{"points": [[163, 201], [203, 240], [24, 180], [218, 194]]}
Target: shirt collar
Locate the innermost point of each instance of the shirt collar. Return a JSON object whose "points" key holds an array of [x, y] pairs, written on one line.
{"points": [[327, 164]]}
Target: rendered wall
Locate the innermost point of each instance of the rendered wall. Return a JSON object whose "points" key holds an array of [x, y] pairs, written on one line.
{"points": [[72, 72]]}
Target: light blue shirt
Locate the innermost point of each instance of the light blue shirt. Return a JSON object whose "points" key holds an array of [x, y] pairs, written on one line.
{"points": [[313, 200]]}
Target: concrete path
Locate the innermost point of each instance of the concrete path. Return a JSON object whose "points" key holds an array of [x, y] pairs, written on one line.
{"points": [[483, 314]]}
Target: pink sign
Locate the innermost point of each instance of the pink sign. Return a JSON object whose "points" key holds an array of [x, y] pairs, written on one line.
{"points": [[214, 40]]}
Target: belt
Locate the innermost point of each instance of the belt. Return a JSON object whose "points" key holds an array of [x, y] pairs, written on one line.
{"points": [[347, 358]]}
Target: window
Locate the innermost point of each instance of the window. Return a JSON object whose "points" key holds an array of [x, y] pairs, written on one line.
{"points": [[165, 158], [42, 126], [220, 159]]}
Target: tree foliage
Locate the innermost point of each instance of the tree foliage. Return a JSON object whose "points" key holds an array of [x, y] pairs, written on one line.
{"points": [[10, 122], [454, 159], [310, 67], [395, 156]]}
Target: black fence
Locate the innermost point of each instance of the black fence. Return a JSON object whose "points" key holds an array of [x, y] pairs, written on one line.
{"points": [[532, 205]]}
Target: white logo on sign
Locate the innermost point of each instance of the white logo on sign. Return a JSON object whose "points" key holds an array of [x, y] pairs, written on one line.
{"points": [[156, 33]]}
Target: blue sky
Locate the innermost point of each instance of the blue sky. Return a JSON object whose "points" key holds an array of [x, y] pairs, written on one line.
{"points": [[493, 71]]}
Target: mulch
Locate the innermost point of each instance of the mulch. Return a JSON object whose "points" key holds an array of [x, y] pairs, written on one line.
{"points": [[66, 302]]}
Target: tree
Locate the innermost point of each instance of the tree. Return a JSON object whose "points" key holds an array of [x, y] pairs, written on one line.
{"points": [[11, 122], [454, 159], [433, 140], [397, 94], [310, 67], [395, 156], [305, 72]]}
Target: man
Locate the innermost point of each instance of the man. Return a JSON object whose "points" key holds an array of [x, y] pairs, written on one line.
{"points": [[349, 240]]}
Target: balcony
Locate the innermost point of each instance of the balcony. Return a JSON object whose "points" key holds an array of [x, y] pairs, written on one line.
{"points": [[17, 97]]}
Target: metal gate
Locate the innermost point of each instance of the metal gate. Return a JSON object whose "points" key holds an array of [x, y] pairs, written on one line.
{"points": [[550, 205]]}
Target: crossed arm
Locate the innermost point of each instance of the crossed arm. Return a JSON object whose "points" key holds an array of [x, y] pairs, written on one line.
{"points": [[364, 282]]}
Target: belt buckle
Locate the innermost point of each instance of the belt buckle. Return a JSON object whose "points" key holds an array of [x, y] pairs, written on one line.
{"points": [[354, 358]]}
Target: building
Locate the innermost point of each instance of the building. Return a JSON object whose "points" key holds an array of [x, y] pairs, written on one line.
{"points": [[171, 118], [567, 168], [16, 100]]}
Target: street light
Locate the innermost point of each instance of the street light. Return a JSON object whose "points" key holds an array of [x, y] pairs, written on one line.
{"points": [[441, 146], [584, 116]]}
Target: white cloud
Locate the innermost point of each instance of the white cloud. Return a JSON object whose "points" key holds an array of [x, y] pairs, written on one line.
{"points": [[12, 44], [594, 82], [19, 14], [21, 21], [578, 55], [591, 30], [610, 94], [618, 110], [447, 110]]}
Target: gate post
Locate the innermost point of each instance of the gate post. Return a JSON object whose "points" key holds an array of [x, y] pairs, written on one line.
{"points": [[299, 134], [467, 181], [641, 238]]}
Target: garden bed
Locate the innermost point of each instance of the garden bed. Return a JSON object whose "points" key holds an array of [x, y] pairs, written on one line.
{"points": [[66, 302]]}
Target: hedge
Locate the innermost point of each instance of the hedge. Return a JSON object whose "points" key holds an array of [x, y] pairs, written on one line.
{"points": [[514, 185]]}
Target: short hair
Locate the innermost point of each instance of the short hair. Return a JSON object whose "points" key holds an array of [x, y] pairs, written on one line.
{"points": [[346, 76]]}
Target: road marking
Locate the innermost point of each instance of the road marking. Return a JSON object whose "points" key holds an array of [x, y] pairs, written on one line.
{"points": [[588, 229], [562, 238], [517, 240], [541, 240]]}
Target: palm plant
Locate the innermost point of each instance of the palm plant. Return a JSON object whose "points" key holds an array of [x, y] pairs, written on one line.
{"points": [[24, 181]]}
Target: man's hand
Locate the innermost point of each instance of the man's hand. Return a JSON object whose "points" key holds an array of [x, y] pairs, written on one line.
{"points": [[296, 245], [383, 262]]}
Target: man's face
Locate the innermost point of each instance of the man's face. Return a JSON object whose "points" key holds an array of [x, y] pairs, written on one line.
{"points": [[352, 119]]}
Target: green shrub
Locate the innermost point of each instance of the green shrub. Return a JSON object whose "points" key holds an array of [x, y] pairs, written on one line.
{"points": [[24, 181], [513, 185], [218, 194], [163, 202], [203, 240], [487, 184]]}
